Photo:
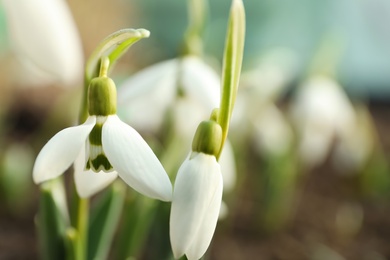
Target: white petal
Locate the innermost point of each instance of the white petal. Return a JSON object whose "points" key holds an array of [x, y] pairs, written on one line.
{"points": [[44, 32], [134, 160], [201, 82], [89, 182], [228, 167], [209, 223], [187, 114], [144, 98], [61, 151], [195, 207], [273, 134], [322, 100]]}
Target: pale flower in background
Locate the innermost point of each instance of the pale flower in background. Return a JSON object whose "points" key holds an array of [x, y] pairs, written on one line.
{"points": [[261, 87], [272, 132], [146, 97], [45, 38], [321, 111], [255, 115], [356, 144], [270, 76]]}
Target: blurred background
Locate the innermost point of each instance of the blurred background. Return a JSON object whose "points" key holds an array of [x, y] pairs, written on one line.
{"points": [[309, 132]]}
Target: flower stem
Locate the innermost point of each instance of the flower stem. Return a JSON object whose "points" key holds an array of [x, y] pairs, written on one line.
{"points": [[192, 39], [82, 228]]}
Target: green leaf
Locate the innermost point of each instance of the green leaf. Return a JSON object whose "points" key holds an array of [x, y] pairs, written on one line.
{"points": [[138, 217], [232, 60], [52, 220], [113, 47], [104, 220]]}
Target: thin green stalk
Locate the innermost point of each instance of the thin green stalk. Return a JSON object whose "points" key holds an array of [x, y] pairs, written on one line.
{"points": [[234, 48], [82, 229], [196, 15], [70, 243]]}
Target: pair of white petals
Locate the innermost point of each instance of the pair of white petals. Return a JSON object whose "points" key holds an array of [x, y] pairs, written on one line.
{"points": [[44, 36], [196, 205], [131, 157]]}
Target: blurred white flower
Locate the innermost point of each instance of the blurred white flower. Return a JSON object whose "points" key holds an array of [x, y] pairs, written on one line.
{"points": [[196, 204], [145, 98], [272, 133], [268, 79], [112, 147], [356, 144], [45, 38], [321, 111], [260, 87]]}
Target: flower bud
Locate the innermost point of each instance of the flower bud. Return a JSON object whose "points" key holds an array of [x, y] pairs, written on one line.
{"points": [[208, 138], [102, 97]]}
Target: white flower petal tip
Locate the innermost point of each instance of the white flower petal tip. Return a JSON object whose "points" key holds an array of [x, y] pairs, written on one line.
{"points": [[143, 33], [134, 160], [88, 183], [196, 205], [61, 151]]}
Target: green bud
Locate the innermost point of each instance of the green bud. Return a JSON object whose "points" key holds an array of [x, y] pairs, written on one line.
{"points": [[102, 97], [208, 138]]}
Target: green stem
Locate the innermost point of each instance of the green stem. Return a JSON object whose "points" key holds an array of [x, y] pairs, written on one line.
{"points": [[192, 40], [82, 229]]}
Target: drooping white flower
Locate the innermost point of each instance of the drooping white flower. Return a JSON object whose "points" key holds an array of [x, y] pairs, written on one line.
{"points": [[321, 111], [197, 194], [111, 147], [122, 151], [44, 36], [196, 205]]}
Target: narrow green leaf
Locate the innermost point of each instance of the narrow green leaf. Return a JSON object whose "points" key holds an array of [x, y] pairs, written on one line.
{"points": [[52, 220], [104, 220], [232, 60], [71, 243], [138, 217], [113, 47]]}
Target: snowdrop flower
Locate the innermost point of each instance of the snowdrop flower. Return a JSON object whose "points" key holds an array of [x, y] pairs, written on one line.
{"points": [[160, 85], [44, 35], [197, 195], [321, 111], [111, 147]]}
